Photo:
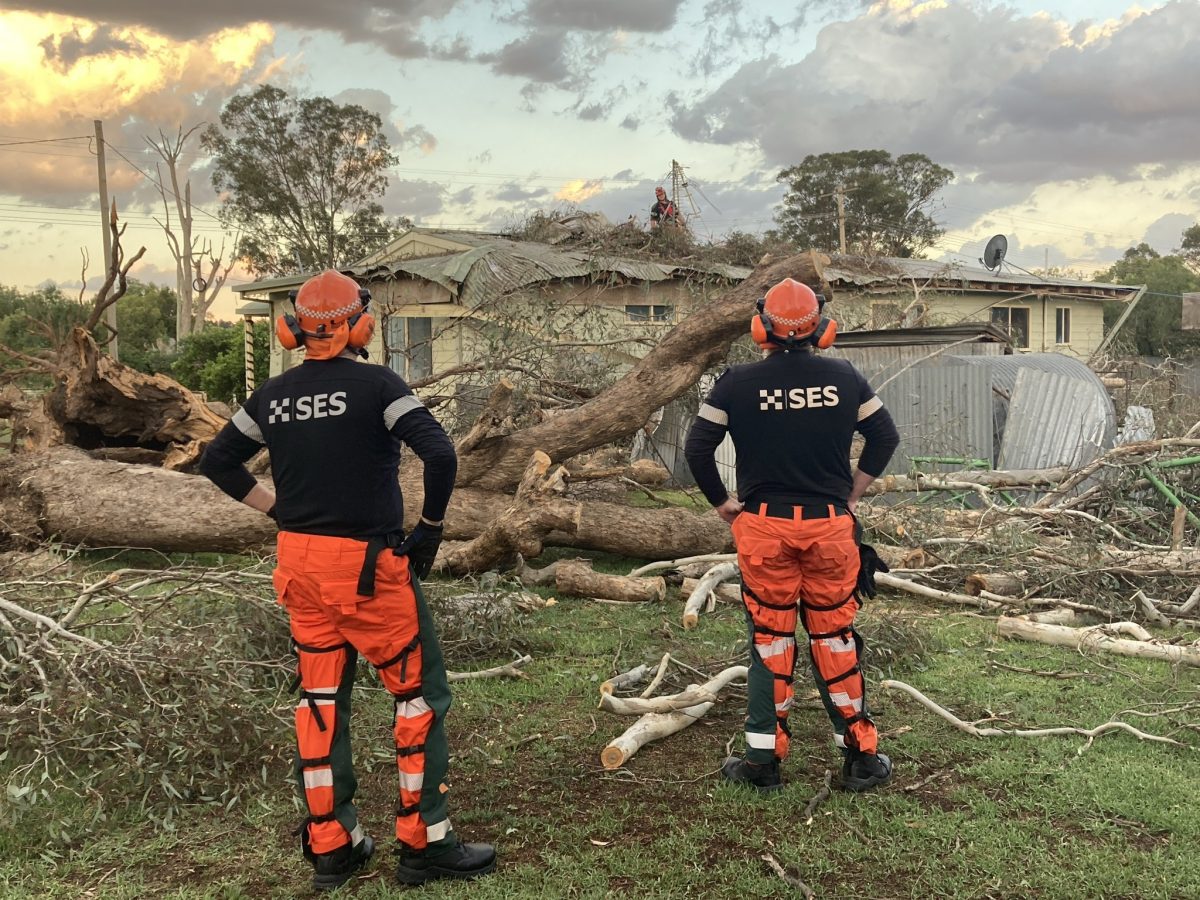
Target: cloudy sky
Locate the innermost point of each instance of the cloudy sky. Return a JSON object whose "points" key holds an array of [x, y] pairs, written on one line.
{"points": [[1073, 126]]}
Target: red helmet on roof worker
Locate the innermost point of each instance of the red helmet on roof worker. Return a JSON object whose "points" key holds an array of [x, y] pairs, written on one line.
{"points": [[331, 315], [790, 314]]}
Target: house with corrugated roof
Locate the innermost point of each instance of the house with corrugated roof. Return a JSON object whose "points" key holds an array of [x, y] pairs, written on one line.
{"points": [[1040, 313], [447, 298]]}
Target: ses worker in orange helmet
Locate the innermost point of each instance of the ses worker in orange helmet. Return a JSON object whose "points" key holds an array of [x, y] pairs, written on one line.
{"points": [[334, 430], [792, 416]]}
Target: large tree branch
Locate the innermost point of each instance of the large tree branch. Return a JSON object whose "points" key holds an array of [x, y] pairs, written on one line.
{"points": [[693, 346]]}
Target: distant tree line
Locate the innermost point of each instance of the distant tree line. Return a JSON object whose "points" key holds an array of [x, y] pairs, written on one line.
{"points": [[211, 360]]}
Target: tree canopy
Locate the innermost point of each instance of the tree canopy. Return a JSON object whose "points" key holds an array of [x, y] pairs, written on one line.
{"points": [[1155, 326], [887, 202], [300, 179]]}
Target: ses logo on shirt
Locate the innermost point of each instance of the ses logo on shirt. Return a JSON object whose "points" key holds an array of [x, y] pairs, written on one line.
{"points": [[300, 409], [797, 398]]}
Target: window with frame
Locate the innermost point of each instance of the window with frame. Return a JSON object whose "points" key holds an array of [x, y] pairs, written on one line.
{"points": [[408, 346], [1062, 325], [650, 313], [1014, 320]]}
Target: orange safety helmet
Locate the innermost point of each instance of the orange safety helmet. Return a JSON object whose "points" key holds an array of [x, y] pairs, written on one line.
{"points": [[331, 315], [789, 316]]}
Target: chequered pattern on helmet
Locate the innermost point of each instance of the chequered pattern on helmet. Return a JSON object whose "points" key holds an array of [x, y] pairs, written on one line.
{"points": [[338, 313], [793, 323]]}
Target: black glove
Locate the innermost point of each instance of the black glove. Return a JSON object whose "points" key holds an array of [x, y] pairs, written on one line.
{"points": [[868, 564], [421, 547]]}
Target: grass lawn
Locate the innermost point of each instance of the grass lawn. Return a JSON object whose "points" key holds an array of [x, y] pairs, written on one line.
{"points": [[964, 817]]}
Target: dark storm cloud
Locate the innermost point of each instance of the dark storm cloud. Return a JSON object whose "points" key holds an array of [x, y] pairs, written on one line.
{"points": [[1037, 109], [393, 25], [603, 15], [513, 192], [414, 198], [67, 49], [538, 56]]}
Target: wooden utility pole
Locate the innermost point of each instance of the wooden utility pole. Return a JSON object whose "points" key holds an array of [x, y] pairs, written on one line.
{"points": [[110, 314], [840, 193]]}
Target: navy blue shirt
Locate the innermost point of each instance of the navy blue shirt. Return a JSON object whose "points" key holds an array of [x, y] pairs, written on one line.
{"points": [[334, 430]]}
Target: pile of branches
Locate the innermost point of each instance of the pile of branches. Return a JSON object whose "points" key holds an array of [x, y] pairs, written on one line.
{"points": [[1115, 539], [151, 687]]}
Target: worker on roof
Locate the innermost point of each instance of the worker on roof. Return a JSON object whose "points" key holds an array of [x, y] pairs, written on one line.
{"points": [[348, 576], [792, 416], [663, 212]]}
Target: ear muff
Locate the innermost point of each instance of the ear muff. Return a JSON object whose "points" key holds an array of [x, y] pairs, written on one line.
{"points": [[825, 334], [760, 325], [361, 324], [289, 332]]}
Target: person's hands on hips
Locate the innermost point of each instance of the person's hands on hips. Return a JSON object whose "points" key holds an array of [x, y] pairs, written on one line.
{"points": [[729, 509], [421, 548]]}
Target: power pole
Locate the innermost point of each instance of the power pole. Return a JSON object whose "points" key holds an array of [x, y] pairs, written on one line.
{"points": [[840, 193], [676, 172], [110, 314]]}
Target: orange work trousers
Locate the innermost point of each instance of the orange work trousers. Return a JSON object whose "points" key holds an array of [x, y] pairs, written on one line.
{"points": [[317, 580], [801, 560]]}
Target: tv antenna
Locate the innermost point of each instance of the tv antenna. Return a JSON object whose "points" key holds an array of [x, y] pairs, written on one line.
{"points": [[993, 253]]}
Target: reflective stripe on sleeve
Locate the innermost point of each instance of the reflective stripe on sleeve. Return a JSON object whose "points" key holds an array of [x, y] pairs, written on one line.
{"points": [[841, 698], [398, 408], [248, 426], [713, 414], [319, 778], [437, 830], [869, 408], [757, 741]]}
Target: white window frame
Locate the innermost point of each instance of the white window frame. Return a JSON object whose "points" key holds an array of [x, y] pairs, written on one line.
{"points": [[1062, 326], [1008, 326]]}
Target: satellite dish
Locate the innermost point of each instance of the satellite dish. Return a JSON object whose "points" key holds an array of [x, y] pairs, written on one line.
{"points": [[993, 253]]}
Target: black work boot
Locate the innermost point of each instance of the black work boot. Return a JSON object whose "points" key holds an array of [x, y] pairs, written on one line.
{"points": [[460, 861], [332, 870], [863, 771], [764, 777]]}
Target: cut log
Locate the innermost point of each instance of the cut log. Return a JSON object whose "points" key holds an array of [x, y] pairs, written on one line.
{"points": [[883, 579], [999, 583], [673, 366], [1099, 637], [902, 557], [631, 678], [726, 593], [699, 595], [656, 726], [577, 579], [958, 481]]}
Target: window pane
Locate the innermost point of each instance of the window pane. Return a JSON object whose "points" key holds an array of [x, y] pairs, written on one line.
{"points": [[662, 313], [1019, 329], [1062, 326], [1000, 317], [393, 342], [420, 348], [638, 313]]}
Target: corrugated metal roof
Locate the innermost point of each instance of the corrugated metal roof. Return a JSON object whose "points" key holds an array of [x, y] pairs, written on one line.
{"points": [[933, 334], [866, 272], [1006, 370], [1054, 419]]}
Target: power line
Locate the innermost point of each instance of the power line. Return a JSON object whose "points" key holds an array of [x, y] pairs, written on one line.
{"points": [[82, 137]]}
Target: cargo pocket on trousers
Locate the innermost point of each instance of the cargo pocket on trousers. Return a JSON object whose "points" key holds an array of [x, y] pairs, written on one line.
{"points": [[759, 551], [835, 558], [280, 580], [342, 595]]}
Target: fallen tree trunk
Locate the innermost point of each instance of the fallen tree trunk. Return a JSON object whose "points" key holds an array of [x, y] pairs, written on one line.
{"points": [[577, 579], [64, 494], [957, 481], [1006, 585], [1099, 637], [689, 349]]}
